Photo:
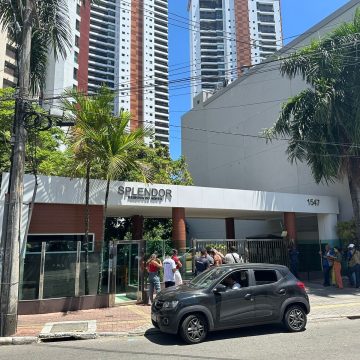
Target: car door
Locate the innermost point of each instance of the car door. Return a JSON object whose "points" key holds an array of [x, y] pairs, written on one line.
{"points": [[235, 307], [268, 294]]}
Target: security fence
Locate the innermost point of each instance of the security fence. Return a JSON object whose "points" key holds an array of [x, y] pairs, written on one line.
{"points": [[270, 251], [57, 266]]}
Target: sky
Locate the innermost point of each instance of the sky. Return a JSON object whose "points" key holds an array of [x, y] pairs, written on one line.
{"points": [[297, 16]]}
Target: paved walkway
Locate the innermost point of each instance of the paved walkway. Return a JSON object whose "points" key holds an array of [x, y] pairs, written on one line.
{"points": [[326, 303], [331, 302]]}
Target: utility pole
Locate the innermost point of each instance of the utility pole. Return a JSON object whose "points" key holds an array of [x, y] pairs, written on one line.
{"points": [[11, 227]]}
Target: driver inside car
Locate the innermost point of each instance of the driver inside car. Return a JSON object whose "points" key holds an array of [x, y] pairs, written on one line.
{"points": [[231, 283]]}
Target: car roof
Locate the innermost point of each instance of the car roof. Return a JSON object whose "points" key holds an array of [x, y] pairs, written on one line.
{"points": [[255, 266]]}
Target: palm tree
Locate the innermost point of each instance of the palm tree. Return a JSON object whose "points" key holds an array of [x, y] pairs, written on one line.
{"points": [[101, 140], [48, 24], [117, 149], [35, 27], [89, 113], [323, 121]]}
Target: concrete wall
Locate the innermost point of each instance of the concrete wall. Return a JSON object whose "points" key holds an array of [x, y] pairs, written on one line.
{"points": [[247, 106]]}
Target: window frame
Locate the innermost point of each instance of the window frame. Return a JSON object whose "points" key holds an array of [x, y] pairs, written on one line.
{"points": [[239, 270], [91, 242], [278, 276]]}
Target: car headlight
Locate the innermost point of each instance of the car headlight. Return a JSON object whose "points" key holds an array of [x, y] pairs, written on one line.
{"points": [[170, 304]]}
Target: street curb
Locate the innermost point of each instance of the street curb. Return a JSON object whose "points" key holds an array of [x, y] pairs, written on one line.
{"points": [[18, 340], [27, 340], [149, 331], [111, 334]]}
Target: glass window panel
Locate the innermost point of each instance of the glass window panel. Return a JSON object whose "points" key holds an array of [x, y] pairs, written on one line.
{"points": [[93, 274], [59, 275], [58, 242], [29, 287]]}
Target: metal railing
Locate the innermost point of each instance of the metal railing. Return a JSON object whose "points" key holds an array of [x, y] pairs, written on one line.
{"points": [[270, 251]]}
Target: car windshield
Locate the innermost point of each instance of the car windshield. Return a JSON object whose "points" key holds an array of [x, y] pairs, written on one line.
{"points": [[205, 279]]}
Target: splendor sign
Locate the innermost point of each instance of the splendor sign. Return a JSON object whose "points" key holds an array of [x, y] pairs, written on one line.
{"points": [[144, 193]]}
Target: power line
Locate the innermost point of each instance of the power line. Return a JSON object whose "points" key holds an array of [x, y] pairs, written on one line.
{"points": [[262, 137], [258, 71]]}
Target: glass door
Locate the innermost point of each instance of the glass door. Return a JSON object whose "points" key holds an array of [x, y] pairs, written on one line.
{"points": [[127, 272]]}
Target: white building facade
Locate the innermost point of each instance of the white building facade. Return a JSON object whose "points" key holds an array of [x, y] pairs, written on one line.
{"points": [[221, 144], [227, 36]]}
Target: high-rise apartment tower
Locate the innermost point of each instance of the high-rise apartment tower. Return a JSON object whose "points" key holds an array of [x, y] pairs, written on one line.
{"points": [[228, 36], [124, 45], [8, 69]]}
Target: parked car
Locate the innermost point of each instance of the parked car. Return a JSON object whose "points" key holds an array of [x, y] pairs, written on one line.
{"points": [[232, 296]]}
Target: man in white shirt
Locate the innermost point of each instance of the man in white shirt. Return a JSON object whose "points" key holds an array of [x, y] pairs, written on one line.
{"points": [[232, 257], [231, 283], [169, 267]]}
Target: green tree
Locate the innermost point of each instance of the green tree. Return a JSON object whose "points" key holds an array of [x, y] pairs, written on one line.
{"points": [[35, 27], [6, 117], [49, 27], [45, 150], [101, 138], [323, 121], [165, 169], [346, 231]]}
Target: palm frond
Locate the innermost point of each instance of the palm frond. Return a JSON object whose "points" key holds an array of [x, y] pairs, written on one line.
{"points": [[54, 21]]}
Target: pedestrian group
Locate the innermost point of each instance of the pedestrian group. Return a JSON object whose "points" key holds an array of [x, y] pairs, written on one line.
{"points": [[209, 257], [331, 263], [171, 267]]}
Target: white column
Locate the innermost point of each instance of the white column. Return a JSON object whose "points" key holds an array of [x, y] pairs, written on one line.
{"points": [[327, 229]]}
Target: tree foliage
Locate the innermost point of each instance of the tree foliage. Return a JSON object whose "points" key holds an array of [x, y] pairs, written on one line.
{"points": [[323, 121], [50, 31], [346, 231], [165, 169], [45, 150]]}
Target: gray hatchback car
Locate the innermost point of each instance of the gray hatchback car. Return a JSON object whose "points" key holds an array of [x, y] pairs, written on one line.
{"points": [[232, 296]]}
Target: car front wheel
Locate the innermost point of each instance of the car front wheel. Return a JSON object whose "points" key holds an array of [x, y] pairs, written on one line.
{"points": [[193, 329], [295, 318]]}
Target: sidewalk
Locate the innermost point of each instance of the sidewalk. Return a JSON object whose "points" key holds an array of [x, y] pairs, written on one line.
{"points": [[331, 302], [135, 319]]}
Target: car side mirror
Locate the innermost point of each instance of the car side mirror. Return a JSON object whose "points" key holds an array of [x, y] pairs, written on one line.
{"points": [[219, 288]]}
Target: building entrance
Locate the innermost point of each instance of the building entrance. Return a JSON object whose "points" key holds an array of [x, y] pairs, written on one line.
{"points": [[127, 271]]}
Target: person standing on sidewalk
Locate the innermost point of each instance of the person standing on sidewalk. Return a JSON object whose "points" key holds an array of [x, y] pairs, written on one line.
{"points": [[178, 278], [217, 256], [294, 259], [153, 265], [354, 266], [201, 262], [232, 257], [337, 267], [169, 271], [209, 257], [327, 264]]}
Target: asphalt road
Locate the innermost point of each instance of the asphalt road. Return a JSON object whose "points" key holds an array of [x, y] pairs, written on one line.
{"points": [[333, 339]]}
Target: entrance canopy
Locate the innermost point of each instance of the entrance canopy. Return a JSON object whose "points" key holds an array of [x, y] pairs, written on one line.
{"points": [[157, 201]]}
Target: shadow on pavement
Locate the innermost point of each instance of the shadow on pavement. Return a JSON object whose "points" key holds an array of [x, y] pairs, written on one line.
{"points": [[329, 291], [170, 340]]}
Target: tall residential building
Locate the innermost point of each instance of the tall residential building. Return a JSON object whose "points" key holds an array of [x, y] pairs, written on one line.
{"points": [[123, 44], [227, 36], [8, 69]]}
